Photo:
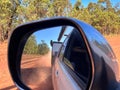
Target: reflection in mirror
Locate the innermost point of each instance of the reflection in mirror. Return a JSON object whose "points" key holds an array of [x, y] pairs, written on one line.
{"points": [[36, 58]]}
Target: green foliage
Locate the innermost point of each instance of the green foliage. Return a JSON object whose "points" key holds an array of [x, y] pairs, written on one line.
{"points": [[43, 48], [31, 46], [7, 15], [102, 15]]}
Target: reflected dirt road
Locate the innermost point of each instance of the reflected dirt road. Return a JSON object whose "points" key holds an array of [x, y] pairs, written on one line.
{"points": [[36, 71]]}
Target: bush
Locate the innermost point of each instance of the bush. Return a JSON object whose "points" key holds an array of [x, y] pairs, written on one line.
{"points": [[43, 48], [31, 46]]}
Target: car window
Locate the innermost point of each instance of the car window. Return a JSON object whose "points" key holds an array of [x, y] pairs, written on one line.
{"points": [[62, 50], [64, 41], [76, 56]]}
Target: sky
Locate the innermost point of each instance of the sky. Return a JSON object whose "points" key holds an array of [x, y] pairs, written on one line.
{"points": [[51, 34], [86, 2]]}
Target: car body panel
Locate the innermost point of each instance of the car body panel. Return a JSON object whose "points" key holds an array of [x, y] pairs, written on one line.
{"points": [[105, 62], [62, 79]]}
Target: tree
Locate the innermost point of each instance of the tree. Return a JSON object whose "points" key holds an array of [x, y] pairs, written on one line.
{"points": [[5, 13], [102, 15], [61, 7], [43, 48], [31, 46], [35, 9], [8, 10], [76, 10]]}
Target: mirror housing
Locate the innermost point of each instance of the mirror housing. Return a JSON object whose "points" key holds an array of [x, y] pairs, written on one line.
{"points": [[101, 64], [22, 32]]}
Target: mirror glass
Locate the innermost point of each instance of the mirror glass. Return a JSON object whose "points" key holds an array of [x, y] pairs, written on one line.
{"points": [[37, 55]]}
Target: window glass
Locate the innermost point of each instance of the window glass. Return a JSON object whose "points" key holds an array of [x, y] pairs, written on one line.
{"points": [[64, 39], [76, 56], [63, 49]]}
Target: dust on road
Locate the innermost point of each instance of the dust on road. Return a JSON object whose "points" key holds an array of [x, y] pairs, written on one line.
{"points": [[36, 71]]}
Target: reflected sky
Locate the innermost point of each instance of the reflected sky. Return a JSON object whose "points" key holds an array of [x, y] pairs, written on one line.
{"points": [[51, 34]]}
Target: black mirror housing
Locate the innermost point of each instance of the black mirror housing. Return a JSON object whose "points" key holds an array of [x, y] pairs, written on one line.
{"points": [[98, 57]]}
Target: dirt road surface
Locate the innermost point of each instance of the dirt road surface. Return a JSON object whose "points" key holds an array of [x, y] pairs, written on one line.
{"points": [[115, 44], [6, 82], [36, 71]]}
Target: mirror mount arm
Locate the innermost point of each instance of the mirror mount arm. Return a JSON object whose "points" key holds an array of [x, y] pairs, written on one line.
{"points": [[62, 32]]}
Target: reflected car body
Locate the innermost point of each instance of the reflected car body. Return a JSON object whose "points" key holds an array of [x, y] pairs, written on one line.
{"points": [[106, 64], [85, 60]]}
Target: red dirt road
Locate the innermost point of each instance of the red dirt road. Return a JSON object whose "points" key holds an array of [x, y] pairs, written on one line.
{"points": [[115, 44], [6, 82], [36, 72]]}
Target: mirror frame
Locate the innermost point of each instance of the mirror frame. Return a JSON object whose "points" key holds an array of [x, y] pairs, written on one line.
{"points": [[20, 35]]}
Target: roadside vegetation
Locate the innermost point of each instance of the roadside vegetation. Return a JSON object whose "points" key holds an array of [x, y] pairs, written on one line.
{"points": [[103, 15], [31, 47]]}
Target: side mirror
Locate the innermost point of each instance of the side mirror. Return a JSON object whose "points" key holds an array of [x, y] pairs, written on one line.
{"points": [[30, 45], [56, 46]]}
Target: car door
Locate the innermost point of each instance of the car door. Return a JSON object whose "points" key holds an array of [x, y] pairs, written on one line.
{"points": [[57, 71], [66, 73]]}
